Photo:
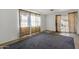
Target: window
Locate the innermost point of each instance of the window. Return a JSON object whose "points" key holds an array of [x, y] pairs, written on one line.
{"points": [[24, 26], [38, 21], [35, 23], [24, 21], [33, 20], [30, 23]]}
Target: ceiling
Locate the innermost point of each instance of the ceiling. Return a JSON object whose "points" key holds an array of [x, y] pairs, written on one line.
{"points": [[47, 11]]}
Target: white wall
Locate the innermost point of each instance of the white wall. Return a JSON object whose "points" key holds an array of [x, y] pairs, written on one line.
{"points": [[50, 23], [8, 25], [43, 22]]}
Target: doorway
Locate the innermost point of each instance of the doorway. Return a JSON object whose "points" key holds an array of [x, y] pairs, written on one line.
{"points": [[58, 22], [62, 24], [66, 23], [72, 22]]}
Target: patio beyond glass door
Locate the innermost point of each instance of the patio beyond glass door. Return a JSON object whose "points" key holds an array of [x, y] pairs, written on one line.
{"points": [[64, 24]]}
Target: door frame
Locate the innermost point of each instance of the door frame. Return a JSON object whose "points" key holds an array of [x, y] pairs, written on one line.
{"points": [[20, 22], [74, 20], [56, 22]]}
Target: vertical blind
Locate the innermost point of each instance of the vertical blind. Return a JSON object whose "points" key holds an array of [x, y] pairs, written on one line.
{"points": [[30, 23]]}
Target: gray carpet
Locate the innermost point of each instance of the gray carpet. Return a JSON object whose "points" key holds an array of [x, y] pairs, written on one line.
{"points": [[45, 41]]}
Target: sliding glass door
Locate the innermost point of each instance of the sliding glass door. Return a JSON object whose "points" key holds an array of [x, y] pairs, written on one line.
{"points": [[38, 23], [24, 25], [29, 23], [62, 23], [35, 23]]}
